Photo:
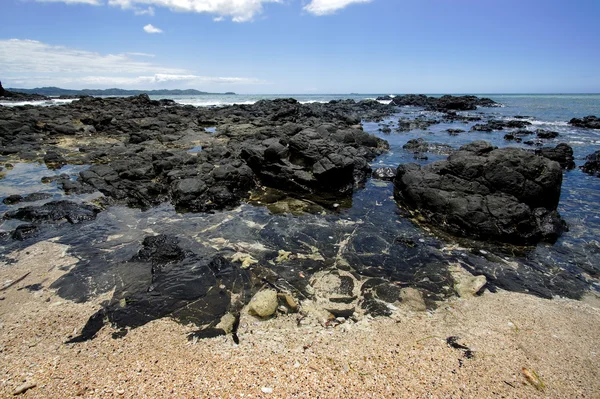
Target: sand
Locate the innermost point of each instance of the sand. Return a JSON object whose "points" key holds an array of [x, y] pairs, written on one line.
{"points": [[405, 356]]}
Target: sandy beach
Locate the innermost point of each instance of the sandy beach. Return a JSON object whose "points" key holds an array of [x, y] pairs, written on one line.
{"points": [[521, 346]]}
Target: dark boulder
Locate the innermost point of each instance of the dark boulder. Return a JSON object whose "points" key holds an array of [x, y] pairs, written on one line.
{"points": [[506, 195], [54, 160], [500, 125], [325, 160], [590, 122], [15, 199], [55, 211], [562, 153], [406, 125], [416, 146], [454, 132], [592, 164], [546, 134], [444, 103]]}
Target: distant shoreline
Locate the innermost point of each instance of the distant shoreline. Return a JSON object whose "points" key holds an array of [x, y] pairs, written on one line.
{"points": [[57, 91]]}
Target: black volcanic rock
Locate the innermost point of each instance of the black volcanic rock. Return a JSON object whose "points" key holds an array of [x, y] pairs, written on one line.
{"points": [[592, 165], [506, 195], [55, 211], [590, 122], [174, 283], [500, 125], [444, 103], [562, 153], [546, 134]]}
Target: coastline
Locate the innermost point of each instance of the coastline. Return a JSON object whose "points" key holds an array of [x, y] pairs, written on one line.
{"points": [[406, 355]]}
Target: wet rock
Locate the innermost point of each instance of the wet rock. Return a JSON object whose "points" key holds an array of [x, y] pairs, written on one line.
{"points": [[55, 211], [384, 98], [336, 291], [314, 161], [54, 160], [15, 199], [384, 173], [25, 231], [505, 194], [454, 132], [546, 134], [444, 103], [562, 153], [592, 164], [176, 283], [12, 199], [264, 303], [406, 125], [590, 122], [416, 146], [492, 125]]}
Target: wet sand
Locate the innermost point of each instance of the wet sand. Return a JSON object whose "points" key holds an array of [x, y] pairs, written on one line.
{"points": [[405, 356]]}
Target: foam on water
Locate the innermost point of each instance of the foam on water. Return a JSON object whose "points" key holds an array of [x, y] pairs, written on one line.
{"points": [[44, 103]]}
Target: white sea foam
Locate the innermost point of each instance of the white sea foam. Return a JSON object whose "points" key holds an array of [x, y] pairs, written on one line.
{"points": [[211, 103], [44, 103]]}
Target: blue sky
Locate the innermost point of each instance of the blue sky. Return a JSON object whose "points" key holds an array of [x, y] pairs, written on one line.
{"points": [[304, 46]]}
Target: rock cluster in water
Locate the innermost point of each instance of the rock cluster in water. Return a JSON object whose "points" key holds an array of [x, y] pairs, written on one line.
{"points": [[590, 122], [508, 194], [143, 153], [444, 103]]}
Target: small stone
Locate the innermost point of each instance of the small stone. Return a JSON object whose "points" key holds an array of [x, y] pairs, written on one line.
{"points": [[226, 323], [120, 391], [24, 388], [290, 302], [264, 303], [466, 285], [266, 390]]}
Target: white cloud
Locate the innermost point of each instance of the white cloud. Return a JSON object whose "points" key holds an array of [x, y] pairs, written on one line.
{"points": [[30, 63], [238, 10], [140, 11], [325, 7], [91, 2], [152, 29], [137, 54], [32, 56]]}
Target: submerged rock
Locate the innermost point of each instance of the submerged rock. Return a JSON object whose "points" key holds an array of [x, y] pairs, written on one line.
{"points": [[505, 194], [264, 303], [174, 283]]}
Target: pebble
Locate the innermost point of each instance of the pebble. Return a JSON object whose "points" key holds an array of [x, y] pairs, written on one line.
{"points": [[266, 390], [24, 388]]}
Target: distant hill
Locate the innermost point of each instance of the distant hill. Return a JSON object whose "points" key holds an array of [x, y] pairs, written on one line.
{"points": [[57, 91]]}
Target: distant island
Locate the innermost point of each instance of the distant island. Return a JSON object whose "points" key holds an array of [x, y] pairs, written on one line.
{"points": [[57, 91]]}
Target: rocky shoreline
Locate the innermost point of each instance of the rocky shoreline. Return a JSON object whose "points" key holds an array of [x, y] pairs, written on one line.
{"points": [[309, 159]]}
